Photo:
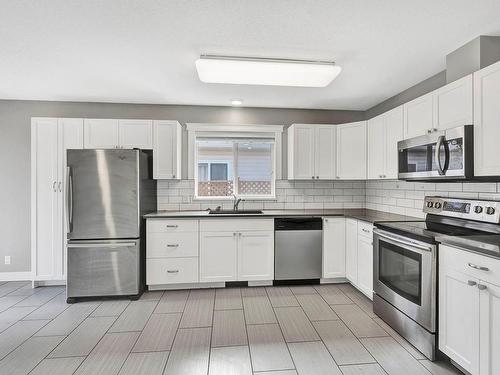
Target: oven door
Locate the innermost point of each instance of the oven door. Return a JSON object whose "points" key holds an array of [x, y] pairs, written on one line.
{"points": [[405, 276], [444, 154]]}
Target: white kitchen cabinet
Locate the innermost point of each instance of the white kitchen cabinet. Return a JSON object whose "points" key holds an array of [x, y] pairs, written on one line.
{"points": [[351, 151], [376, 147], [394, 126], [311, 152], [334, 247], [365, 265], [111, 133], [351, 250], [255, 256], [218, 256], [101, 133], [50, 138], [489, 329], [167, 147], [469, 310], [453, 104], [444, 108], [136, 134], [487, 121]]}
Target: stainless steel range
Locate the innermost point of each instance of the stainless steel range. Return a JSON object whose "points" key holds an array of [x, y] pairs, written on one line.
{"points": [[405, 263]]}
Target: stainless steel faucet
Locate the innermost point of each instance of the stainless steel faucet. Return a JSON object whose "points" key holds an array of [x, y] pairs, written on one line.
{"points": [[236, 202]]}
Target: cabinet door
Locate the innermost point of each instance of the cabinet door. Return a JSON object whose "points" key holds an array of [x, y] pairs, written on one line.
{"points": [[136, 134], [393, 134], [70, 137], [302, 152], [418, 116], [334, 233], [377, 140], [324, 158], [218, 252], [351, 250], [167, 144], [351, 151], [459, 318], [487, 121], [45, 201], [101, 133], [453, 104], [489, 330], [255, 256], [365, 265]]}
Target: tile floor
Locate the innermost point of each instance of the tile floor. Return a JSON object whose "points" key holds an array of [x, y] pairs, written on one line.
{"points": [[303, 330]]}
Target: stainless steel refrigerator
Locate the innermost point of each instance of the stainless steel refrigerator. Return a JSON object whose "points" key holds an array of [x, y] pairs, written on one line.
{"points": [[108, 192]]}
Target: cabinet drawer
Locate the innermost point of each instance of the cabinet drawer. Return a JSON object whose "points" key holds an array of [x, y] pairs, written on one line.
{"points": [[465, 262], [365, 229], [171, 271], [171, 226], [171, 245], [236, 225]]}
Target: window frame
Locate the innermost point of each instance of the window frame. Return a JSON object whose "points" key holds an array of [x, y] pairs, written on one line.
{"points": [[271, 132]]}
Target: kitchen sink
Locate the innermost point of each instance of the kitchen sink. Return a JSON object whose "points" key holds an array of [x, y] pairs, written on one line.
{"points": [[235, 212]]}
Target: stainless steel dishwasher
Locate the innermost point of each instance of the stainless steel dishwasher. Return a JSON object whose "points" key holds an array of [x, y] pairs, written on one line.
{"points": [[298, 248]]}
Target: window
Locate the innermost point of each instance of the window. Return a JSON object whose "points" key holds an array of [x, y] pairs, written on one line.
{"points": [[239, 166]]}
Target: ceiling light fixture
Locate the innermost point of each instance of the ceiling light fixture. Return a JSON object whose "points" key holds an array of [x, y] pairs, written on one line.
{"points": [[266, 71], [236, 102]]}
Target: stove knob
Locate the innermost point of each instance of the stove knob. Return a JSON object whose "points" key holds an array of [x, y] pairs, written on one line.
{"points": [[430, 204], [490, 210], [437, 205], [478, 209]]}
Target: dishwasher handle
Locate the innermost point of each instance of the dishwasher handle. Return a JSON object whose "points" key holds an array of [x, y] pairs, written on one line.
{"points": [[298, 223]]}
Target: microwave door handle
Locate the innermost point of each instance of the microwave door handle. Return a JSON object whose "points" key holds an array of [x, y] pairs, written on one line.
{"points": [[437, 156]]}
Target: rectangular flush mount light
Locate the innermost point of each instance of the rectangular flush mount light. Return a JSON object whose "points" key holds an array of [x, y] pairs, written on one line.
{"points": [[264, 71]]}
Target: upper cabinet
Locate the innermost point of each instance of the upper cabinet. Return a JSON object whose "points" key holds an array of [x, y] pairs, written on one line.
{"points": [[384, 133], [311, 152], [167, 146], [110, 133], [351, 151], [444, 108], [487, 121]]}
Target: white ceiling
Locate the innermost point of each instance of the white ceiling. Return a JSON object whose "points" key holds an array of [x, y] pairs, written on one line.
{"points": [[143, 51]]}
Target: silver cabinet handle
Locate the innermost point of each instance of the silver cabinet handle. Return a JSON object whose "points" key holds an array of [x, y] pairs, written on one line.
{"points": [[172, 226], [172, 271], [317, 177], [234, 233], [173, 245], [312, 177], [482, 287], [54, 186], [365, 230], [429, 131], [471, 283], [472, 265], [173, 176], [59, 186]]}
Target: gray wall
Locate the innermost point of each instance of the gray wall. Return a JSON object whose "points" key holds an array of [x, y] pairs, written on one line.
{"points": [[421, 88], [15, 150]]}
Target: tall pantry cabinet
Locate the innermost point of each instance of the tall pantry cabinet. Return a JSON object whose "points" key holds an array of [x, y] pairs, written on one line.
{"points": [[50, 138]]}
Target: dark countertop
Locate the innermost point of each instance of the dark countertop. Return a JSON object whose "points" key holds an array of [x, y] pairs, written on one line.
{"points": [[486, 244], [371, 216]]}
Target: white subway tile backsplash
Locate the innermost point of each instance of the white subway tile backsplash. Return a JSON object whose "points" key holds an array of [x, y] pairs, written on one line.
{"points": [[483, 187]]}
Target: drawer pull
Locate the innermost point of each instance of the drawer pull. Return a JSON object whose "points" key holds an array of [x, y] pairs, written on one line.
{"points": [[173, 245], [481, 287], [172, 226], [471, 283], [472, 265], [365, 230], [172, 271]]}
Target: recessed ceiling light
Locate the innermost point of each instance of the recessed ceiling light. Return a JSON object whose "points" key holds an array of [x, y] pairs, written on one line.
{"points": [[264, 71], [236, 102]]}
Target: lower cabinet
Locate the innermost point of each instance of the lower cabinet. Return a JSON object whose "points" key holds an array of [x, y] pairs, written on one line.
{"points": [[359, 255], [246, 253], [334, 249], [469, 310]]}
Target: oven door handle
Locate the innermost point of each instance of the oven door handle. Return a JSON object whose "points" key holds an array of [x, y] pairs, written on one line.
{"points": [[403, 242]]}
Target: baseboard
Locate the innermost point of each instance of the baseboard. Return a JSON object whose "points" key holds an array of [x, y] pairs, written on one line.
{"points": [[15, 276]]}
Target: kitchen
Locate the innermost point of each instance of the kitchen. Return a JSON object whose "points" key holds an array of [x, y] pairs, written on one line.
{"points": [[250, 226]]}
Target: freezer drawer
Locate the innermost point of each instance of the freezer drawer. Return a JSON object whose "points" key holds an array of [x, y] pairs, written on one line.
{"points": [[103, 268]]}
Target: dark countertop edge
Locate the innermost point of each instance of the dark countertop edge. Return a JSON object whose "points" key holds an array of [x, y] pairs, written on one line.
{"points": [[370, 216], [462, 244]]}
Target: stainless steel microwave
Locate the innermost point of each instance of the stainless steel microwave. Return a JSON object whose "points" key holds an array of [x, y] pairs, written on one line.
{"points": [[445, 154]]}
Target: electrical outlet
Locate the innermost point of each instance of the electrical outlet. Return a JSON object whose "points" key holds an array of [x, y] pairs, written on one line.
{"points": [[7, 259]]}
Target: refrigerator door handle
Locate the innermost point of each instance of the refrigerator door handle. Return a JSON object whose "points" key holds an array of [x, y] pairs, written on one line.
{"points": [[103, 244], [69, 199]]}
